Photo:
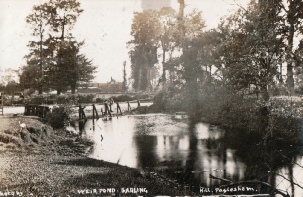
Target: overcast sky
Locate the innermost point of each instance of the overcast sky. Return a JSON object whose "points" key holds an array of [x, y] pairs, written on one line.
{"points": [[104, 25]]}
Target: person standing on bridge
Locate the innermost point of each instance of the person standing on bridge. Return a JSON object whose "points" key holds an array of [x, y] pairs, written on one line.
{"points": [[106, 103]]}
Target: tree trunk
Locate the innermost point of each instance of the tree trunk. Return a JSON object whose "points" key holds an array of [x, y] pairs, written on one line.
{"points": [[139, 79], [291, 21], [63, 27], [264, 93], [164, 68], [124, 77], [291, 178], [73, 89], [41, 61], [181, 12], [290, 79], [181, 22]]}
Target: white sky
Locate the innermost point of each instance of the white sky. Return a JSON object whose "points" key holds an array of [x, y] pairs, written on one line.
{"points": [[104, 25]]}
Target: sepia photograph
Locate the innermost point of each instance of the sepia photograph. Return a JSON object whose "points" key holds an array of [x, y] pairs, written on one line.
{"points": [[151, 98]]}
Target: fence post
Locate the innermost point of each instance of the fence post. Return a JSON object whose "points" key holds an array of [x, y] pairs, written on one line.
{"points": [[95, 111], [128, 106], [81, 113], [46, 111], [93, 114], [30, 109], [118, 108], [25, 110], [107, 110], [35, 111]]}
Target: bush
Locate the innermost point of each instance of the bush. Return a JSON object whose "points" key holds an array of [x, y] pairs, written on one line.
{"points": [[99, 100], [143, 96], [61, 99], [85, 98], [59, 117], [37, 100], [170, 100], [122, 98], [125, 97]]}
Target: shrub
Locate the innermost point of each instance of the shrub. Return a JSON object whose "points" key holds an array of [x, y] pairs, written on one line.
{"points": [[99, 100], [122, 98], [143, 96], [59, 117], [37, 100], [85, 98]]}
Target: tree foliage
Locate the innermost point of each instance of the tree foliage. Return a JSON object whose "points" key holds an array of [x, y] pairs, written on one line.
{"points": [[155, 31], [64, 15], [146, 31], [291, 21], [54, 60], [71, 67], [252, 50]]}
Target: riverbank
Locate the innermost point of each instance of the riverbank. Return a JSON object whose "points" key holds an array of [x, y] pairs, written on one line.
{"points": [[40, 161]]}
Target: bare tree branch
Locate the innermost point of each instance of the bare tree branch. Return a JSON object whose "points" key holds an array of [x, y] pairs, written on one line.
{"points": [[221, 179], [240, 6], [281, 192]]}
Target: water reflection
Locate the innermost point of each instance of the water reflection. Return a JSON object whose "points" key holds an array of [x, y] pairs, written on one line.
{"points": [[188, 154], [270, 159]]}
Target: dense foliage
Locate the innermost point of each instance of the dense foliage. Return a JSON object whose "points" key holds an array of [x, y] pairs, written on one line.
{"points": [[55, 60]]}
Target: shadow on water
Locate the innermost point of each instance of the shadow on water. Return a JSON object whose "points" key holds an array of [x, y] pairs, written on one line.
{"points": [[271, 158], [147, 158], [188, 155], [187, 176]]}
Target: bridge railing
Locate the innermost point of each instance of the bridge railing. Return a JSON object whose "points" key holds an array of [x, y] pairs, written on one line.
{"points": [[106, 109]]}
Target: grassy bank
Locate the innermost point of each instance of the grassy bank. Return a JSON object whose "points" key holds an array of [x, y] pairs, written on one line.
{"points": [[45, 162]]}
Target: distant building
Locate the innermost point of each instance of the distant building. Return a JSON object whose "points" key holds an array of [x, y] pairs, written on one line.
{"points": [[111, 86], [155, 4]]}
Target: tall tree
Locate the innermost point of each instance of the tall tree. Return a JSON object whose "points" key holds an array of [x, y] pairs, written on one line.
{"points": [[63, 16], [252, 50], [192, 29], [168, 36], [291, 18], [71, 67], [294, 19], [143, 58], [39, 21], [145, 31], [61, 64]]}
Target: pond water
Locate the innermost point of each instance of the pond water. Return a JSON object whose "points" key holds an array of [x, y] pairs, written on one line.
{"points": [[188, 153]]}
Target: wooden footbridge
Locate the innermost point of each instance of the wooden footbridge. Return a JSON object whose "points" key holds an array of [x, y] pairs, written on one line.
{"points": [[90, 111]]}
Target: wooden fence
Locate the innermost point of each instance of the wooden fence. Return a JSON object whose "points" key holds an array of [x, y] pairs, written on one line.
{"points": [[36, 110]]}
